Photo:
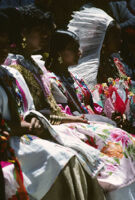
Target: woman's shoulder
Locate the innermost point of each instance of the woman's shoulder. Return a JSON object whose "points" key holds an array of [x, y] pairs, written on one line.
{"points": [[13, 59]]}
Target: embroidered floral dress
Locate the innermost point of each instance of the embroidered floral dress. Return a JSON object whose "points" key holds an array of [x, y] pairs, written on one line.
{"points": [[116, 148]]}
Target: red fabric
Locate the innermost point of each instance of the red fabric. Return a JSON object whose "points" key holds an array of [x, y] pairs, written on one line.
{"points": [[119, 105]]}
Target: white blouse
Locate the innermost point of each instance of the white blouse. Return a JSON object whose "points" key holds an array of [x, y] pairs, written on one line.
{"points": [[4, 107]]}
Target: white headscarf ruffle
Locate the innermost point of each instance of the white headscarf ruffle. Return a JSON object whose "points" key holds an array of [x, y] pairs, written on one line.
{"points": [[90, 25]]}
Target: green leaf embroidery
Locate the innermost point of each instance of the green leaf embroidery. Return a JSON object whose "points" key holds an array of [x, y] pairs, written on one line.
{"points": [[125, 154], [106, 131], [103, 136], [110, 173], [117, 160]]}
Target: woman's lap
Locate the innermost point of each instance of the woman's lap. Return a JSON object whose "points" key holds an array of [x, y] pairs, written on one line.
{"points": [[75, 184]]}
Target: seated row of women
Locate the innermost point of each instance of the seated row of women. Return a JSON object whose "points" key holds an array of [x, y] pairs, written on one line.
{"points": [[68, 138]]}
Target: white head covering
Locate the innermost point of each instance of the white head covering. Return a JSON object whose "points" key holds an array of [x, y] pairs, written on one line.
{"points": [[90, 25]]}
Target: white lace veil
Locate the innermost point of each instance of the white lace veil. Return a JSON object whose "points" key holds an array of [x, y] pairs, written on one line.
{"points": [[90, 25]]}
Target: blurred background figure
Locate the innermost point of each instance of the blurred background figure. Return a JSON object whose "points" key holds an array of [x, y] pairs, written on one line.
{"points": [[14, 3], [117, 9], [131, 5]]}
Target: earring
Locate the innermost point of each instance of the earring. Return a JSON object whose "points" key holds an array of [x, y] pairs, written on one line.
{"points": [[60, 60], [45, 55], [24, 43]]}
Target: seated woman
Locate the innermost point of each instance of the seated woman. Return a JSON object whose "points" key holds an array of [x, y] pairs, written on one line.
{"points": [[62, 55], [80, 136], [119, 93], [116, 97], [64, 51]]}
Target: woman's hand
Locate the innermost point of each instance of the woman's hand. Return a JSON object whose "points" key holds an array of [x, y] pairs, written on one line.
{"points": [[34, 127], [77, 119], [34, 124]]}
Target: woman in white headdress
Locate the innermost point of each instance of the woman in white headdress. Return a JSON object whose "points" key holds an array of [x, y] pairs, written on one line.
{"points": [[94, 28]]}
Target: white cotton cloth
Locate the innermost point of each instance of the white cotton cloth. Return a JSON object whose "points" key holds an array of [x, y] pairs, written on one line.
{"points": [[87, 155], [10, 189], [125, 193], [39, 61], [41, 162], [90, 25], [4, 108]]}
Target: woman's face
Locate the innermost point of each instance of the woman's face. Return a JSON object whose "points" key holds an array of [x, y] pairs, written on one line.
{"points": [[4, 47], [71, 54], [37, 39], [113, 42]]}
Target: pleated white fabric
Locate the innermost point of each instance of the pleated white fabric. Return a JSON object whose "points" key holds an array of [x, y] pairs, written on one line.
{"points": [[90, 25]]}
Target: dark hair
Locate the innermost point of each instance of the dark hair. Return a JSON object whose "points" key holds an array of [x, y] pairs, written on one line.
{"points": [[4, 23], [14, 19], [59, 42], [31, 17], [25, 18]]}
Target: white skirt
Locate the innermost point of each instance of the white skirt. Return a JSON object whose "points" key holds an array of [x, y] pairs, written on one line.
{"points": [[41, 162]]}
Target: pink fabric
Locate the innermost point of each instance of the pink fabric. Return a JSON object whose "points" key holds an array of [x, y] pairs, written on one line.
{"points": [[98, 109], [65, 110], [42, 82], [45, 82], [8, 61], [4, 164], [47, 91]]}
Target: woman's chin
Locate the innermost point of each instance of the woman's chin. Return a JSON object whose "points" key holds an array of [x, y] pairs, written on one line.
{"points": [[75, 62]]}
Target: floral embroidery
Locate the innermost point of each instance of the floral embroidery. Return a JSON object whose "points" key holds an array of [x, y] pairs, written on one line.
{"points": [[92, 142], [113, 150], [120, 136]]}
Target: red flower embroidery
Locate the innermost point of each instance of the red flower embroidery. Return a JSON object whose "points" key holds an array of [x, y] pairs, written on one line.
{"points": [[91, 142]]}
